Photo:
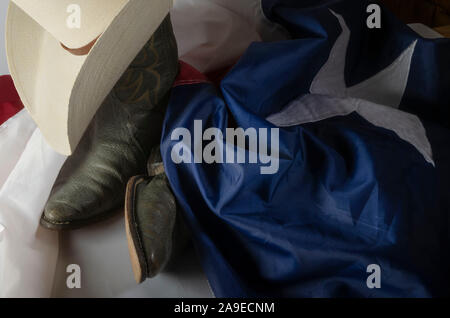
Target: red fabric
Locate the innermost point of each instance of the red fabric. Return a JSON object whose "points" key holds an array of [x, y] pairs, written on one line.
{"points": [[189, 75], [10, 103], [218, 75]]}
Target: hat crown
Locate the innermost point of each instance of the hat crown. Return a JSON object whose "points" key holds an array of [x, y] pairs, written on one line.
{"points": [[74, 23], [63, 90]]}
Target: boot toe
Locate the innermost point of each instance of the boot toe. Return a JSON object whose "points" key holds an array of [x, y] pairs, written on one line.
{"points": [[59, 216]]}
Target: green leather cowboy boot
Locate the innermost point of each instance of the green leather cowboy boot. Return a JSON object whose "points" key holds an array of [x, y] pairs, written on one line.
{"points": [[117, 144], [155, 231]]}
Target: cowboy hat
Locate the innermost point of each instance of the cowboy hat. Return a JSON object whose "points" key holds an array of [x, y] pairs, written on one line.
{"points": [[64, 68]]}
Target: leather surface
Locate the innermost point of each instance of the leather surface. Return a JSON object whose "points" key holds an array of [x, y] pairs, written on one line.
{"points": [[433, 13], [155, 216], [445, 31], [158, 229], [116, 146]]}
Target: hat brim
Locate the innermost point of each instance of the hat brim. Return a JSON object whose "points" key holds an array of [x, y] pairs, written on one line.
{"points": [[63, 91]]}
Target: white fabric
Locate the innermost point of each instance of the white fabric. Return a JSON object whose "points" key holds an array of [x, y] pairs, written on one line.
{"points": [[425, 31], [312, 108], [27, 252], [385, 88], [3, 64], [211, 34], [14, 136]]}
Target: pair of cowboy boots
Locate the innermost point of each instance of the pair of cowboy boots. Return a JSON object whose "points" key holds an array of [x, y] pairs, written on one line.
{"points": [[116, 147]]}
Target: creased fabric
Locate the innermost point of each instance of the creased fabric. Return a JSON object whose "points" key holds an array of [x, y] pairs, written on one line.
{"points": [[352, 189], [211, 34], [27, 252]]}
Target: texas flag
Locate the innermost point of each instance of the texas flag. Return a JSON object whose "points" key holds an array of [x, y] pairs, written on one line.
{"points": [[363, 177]]}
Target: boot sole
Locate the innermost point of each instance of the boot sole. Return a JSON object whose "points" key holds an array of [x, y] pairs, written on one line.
{"points": [[135, 248]]}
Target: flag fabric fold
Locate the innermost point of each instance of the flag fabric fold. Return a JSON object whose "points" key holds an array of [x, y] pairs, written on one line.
{"points": [[363, 159]]}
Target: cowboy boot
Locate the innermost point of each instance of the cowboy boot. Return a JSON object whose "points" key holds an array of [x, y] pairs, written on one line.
{"points": [[155, 231], [117, 144]]}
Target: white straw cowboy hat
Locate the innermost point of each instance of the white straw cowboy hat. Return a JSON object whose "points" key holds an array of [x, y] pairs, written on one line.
{"points": [[62, 69]]}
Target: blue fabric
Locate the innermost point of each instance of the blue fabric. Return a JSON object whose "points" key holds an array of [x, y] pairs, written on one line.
{"points": [[347, 194]]}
